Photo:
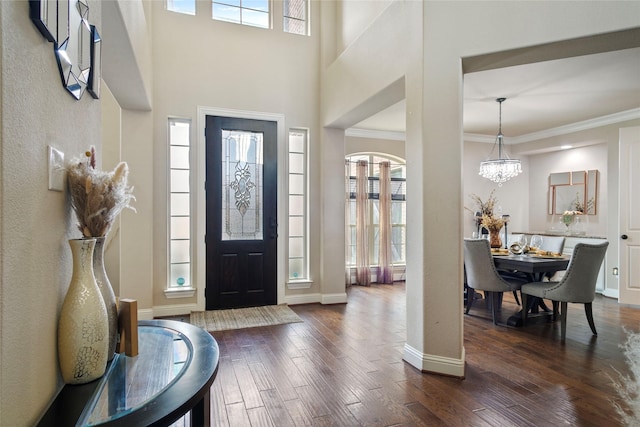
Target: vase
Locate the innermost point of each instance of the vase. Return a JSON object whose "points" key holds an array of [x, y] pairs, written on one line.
{"points": [[494, 238], [82, 328], [107, 294]]}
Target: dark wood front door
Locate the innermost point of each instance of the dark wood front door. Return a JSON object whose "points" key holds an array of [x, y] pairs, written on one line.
{"points": [[241, 199]]}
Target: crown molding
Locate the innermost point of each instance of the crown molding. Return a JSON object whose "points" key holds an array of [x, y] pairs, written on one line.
{"points": [[533, 136], [610, 119]]}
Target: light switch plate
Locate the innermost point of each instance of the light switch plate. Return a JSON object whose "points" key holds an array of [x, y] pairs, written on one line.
{"points": [[56, 169]]}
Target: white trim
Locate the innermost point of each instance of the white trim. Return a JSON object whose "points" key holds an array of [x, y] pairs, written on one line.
{"points": [[375, 134], [299, 284], [611, 293], [199, 256], [173, 310], [340, 298], [174, 292], [560, 130], [303, 299], [145, 314], [435, 364]]}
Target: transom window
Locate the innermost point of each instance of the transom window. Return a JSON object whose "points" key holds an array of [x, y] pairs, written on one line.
{"points": [[295, 14], [246, 12], [187, 7]]}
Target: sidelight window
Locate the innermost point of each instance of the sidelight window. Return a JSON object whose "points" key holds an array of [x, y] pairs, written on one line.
{"points": [[298, 259], [180, 224]]}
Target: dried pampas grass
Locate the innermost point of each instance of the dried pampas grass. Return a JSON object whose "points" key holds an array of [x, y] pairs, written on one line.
{"points": [[97, 197], [627, 403]]}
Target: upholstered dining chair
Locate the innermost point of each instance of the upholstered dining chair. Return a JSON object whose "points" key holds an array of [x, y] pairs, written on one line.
{"points": [[553, 244], [482, 275], [578, 285]]}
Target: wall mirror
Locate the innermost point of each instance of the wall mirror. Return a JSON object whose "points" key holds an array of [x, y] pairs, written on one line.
{"points": [[571, 191], [77, 44]]}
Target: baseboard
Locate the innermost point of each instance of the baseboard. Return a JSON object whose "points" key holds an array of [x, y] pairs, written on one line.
{"points": [[340, 298], [434, 364], [303, 299], [611, 293], [174, 310], [145, 314]]}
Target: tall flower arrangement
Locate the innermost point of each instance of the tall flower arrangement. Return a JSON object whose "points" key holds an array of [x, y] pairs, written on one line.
{"points": [[484, 214], [97, 196]]}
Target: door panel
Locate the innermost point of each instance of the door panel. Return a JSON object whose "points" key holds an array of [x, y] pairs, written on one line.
{"points": [[629, 232], [241, 200]]}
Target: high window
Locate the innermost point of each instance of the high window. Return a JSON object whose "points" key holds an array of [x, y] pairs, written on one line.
{"points": [[187, 7], [298, 248], [247, 12], [398, 208], [179, 230], [295, 13]]}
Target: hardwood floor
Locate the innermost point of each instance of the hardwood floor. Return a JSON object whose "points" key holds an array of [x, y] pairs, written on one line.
{"points": [[343, 366]]}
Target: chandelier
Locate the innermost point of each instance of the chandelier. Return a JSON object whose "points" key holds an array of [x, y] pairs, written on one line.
{"points": [[503, 168]]}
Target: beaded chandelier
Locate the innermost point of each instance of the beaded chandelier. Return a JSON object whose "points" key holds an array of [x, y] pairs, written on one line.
{"points": [[503, 168]]}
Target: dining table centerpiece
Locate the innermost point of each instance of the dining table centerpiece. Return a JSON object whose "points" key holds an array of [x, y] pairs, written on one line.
{"points": [[494, 224], [483, 208]]}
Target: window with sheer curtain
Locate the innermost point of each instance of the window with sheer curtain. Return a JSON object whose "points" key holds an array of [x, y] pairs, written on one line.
{"points": [[394, 219]]}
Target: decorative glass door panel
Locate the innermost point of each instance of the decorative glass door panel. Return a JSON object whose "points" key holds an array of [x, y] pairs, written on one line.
{"points": [[241, 215], [242, 181]]}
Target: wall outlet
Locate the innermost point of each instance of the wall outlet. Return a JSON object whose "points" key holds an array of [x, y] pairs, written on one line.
{"points": [[56, 169]]}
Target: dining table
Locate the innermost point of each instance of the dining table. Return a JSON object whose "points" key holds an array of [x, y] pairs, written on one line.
{"points": [[534, 267]]}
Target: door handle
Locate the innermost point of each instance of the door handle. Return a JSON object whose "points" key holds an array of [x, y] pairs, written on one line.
{"points": [[624, 237]]}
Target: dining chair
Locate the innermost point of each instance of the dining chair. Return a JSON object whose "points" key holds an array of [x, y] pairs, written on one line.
{"points": [[481, 275], [578, 285], [553, 244]]}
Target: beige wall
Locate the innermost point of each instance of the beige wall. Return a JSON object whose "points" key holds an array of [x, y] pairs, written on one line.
{"points": [[215, 64], [446, 33], [35, 223], [415, 46]]}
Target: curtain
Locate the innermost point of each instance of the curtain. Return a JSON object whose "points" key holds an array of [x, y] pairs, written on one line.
{"points": [[363, 276], [385, 269], [347, 221]]}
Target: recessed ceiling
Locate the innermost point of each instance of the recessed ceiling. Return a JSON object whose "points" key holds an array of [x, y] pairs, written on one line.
{"points": [[540, 96]]}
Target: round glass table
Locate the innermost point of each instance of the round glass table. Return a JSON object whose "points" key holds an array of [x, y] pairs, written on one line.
{"points": [[171, 375]]}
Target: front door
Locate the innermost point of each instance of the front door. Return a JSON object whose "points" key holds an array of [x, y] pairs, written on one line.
{"points": [[629, 222], [241, 204]]}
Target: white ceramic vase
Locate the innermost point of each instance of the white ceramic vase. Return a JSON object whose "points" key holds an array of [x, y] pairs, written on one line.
{"points": [[83, 329], [107, 294]]}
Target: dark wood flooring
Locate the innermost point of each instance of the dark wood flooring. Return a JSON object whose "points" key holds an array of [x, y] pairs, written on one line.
{"points": [[343, 367]]}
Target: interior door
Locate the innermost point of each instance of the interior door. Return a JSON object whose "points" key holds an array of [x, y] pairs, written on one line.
{"points": [[241, 205], [629, 224]]}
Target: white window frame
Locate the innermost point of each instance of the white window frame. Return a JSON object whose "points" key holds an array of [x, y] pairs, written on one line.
{"points": [[242, 9], [305, 20], [170, 6], [398, 268], [302, 282], [173, 290]]}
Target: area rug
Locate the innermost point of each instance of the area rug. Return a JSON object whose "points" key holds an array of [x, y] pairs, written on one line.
{"points": [[239, 318]]}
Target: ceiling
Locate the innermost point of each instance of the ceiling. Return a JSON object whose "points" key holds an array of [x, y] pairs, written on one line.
{"points": [[540, 96]]}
